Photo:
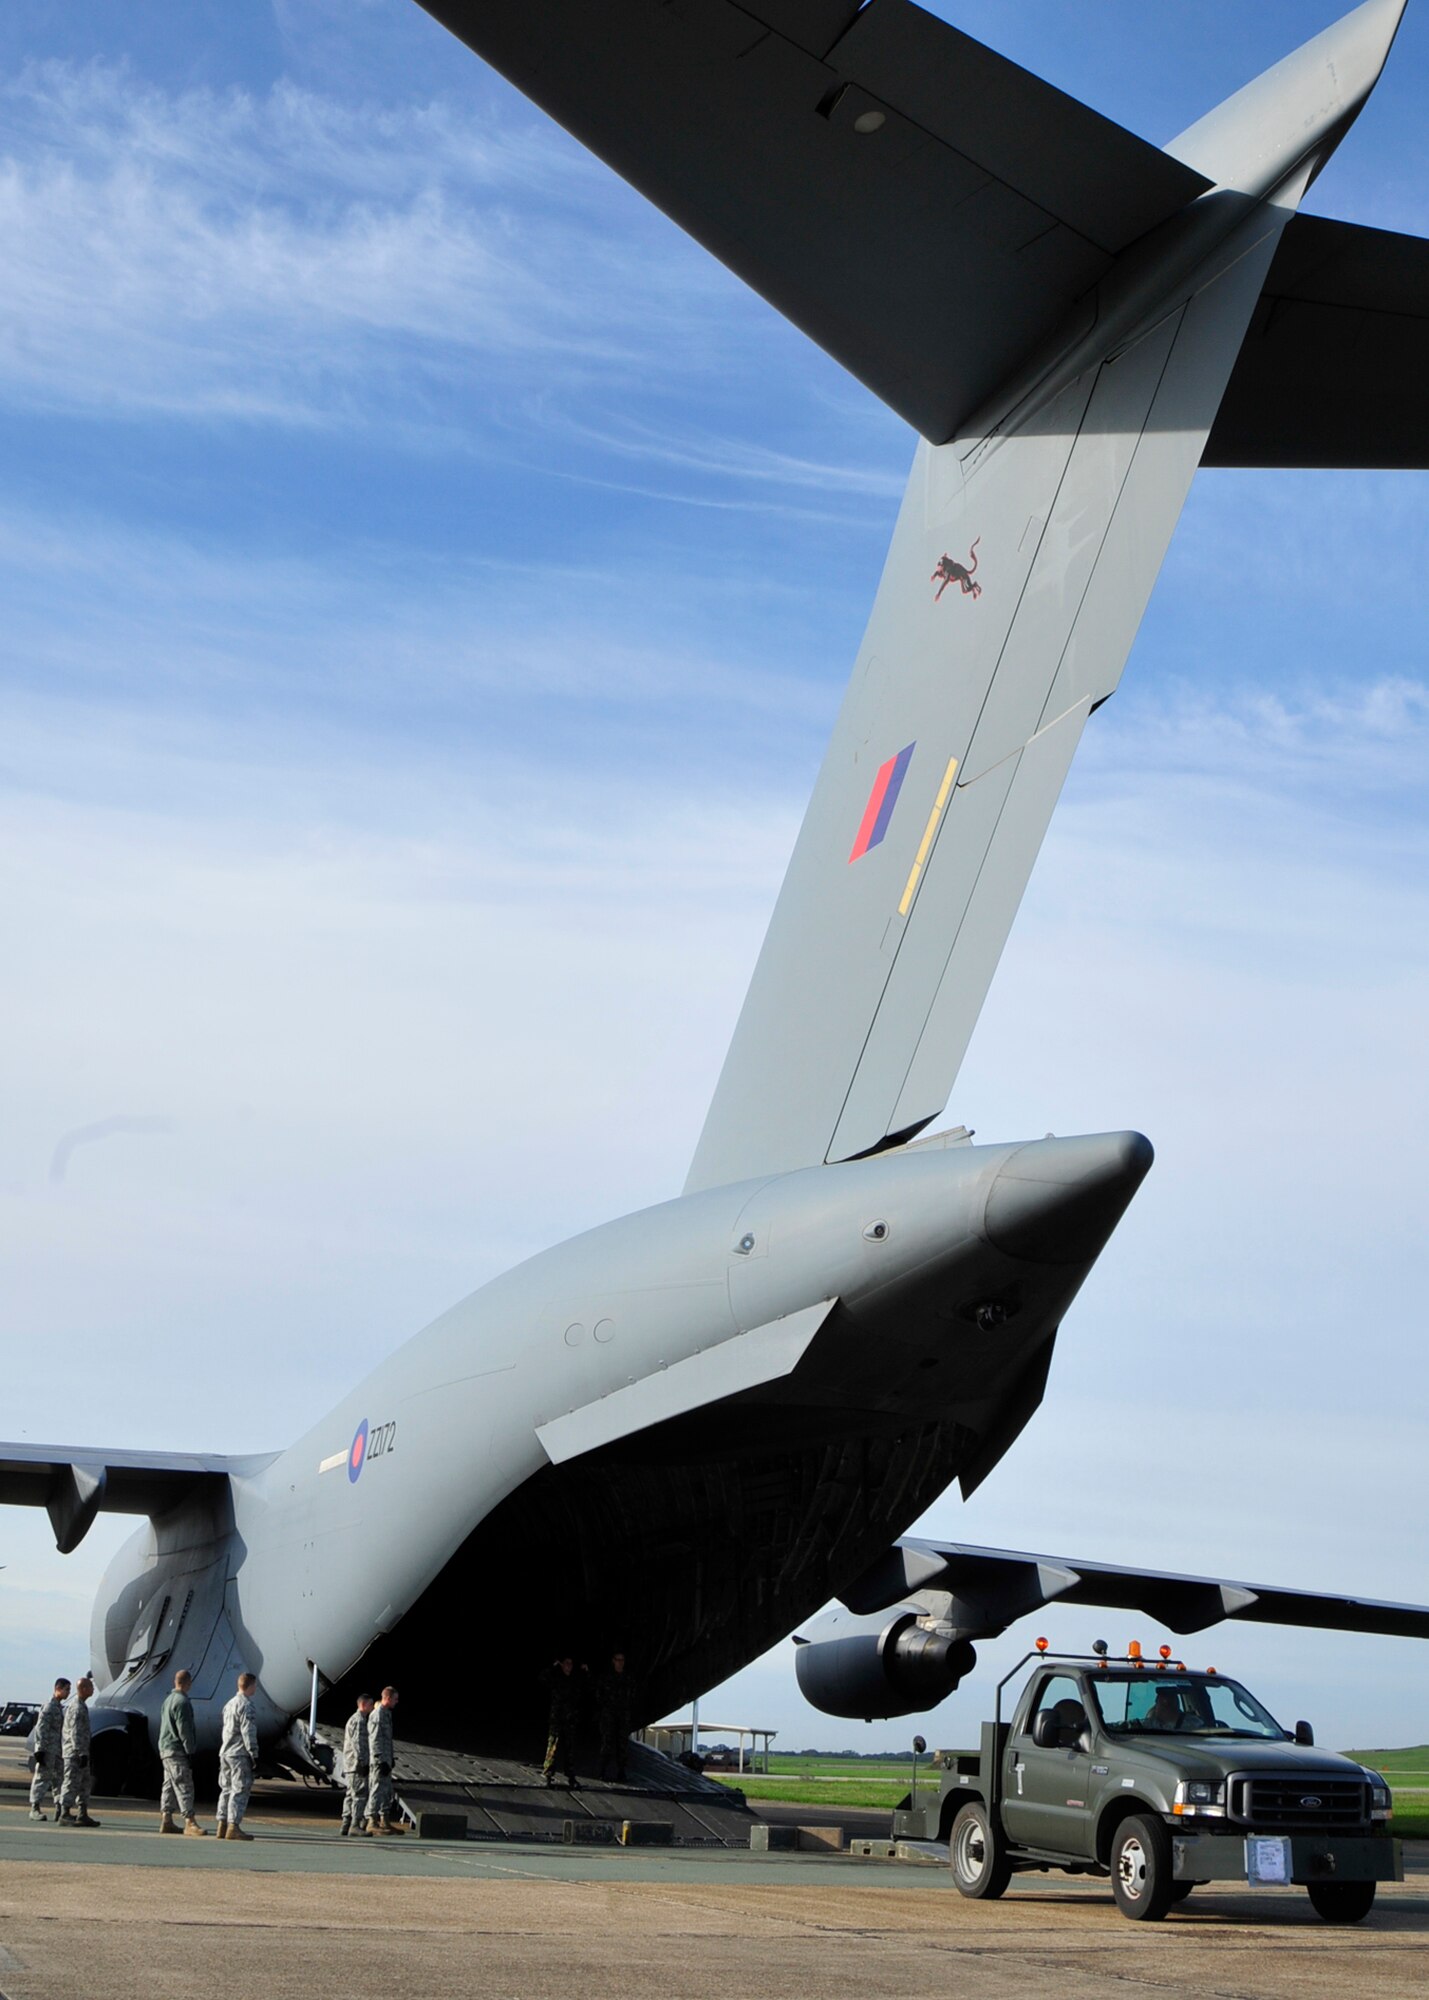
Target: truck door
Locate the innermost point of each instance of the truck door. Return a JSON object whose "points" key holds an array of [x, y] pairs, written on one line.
{"points": [[1045, 1798]]}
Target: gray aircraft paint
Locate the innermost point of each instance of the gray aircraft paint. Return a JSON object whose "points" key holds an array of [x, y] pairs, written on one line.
{"points": [[906, 1301]]}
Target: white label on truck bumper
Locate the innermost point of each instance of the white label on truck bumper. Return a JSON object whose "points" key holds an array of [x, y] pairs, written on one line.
{"points": [[1267, 1859]]}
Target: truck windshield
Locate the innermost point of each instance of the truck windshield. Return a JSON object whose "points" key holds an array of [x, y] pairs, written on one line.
{"points": [[1153, 1704]]}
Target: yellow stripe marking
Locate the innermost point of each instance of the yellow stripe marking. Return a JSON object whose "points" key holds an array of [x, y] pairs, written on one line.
{"points": [[927, 841], [331, 1464]]}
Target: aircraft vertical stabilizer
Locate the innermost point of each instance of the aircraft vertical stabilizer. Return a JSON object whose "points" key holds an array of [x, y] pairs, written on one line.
{"points": [[1019, 570], [1012, 591]]}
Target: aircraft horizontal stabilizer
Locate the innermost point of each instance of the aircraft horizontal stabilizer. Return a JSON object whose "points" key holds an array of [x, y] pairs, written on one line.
{"points": [[1331, 372], [746, 1361], [922, 208], [74, 1483], [986, 1589]]}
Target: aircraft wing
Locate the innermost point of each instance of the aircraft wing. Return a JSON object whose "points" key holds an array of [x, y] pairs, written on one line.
{"points": [[989, 1588], [74, 1483], [923, 209], [1332, 370]]}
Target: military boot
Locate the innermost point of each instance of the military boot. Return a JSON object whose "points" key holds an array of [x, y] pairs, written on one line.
{"points": [[396, 1826], [377, 1826], [235, 1832], [63, 1816], [85, 1820], [192, 1826], [167, 1823], [222, 1829]]}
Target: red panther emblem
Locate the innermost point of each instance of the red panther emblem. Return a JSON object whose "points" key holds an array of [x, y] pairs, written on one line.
{"points": [[949, 571]]}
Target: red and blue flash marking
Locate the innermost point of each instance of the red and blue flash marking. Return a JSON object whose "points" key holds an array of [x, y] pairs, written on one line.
{"points": [[881, 801], [357, 1452]]}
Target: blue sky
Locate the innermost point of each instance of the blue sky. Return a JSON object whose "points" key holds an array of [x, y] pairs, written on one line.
{"points": [[429, 581]]}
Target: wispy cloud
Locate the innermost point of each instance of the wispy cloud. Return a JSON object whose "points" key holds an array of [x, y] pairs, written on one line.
{"points": [[122, 1125], [284, 257], [153, 627], [1347, 751], [733, 459]]}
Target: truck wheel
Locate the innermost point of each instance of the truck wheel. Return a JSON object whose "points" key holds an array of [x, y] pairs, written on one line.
{"points": [[978, 1853], [1180, 1891], [1141, 1869], [1342, 1902]]}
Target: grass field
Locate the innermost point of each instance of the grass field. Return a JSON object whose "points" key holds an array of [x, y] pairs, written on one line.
{"points": [[875, 1782], [857, 1768], [821, 1791]]}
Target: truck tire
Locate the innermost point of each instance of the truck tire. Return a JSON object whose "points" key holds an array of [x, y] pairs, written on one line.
{"points": [[1342, 1902], [978, 1854], [1141, 1869], [1181, 1890]]}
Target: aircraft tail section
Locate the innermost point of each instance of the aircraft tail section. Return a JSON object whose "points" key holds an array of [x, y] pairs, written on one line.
{"points": [[1017, 576], [1013, 272]]}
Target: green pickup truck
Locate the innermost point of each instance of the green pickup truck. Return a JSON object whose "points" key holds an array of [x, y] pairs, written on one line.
{"points": [[1162, 1779]]}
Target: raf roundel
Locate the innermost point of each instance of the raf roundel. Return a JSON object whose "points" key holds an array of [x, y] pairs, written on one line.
{"points": [[357, 1452]]}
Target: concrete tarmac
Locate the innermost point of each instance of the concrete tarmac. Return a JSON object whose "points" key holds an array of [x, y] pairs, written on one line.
{"points": [[130, 1914]]}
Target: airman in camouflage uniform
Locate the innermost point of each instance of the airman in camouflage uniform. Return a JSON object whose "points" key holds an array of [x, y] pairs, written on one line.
{"points": [[355, 1768], [76, 1752], [382, 1798], [178, 1740], [48, 1780], [614, 1713], [563, 1685], [237, 1754]]}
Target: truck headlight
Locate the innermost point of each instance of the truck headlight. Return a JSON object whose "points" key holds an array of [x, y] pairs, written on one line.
{"points": [[1380, 1802], [1199, 1795]]}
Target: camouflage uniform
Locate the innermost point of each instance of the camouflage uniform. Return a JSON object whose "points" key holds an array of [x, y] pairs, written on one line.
{"points": [[237, 1754], [48, 1780], [614, 1712], [382, 1796], [355, 1768], [76, 1754], [565, 1693], [178, 1740]]}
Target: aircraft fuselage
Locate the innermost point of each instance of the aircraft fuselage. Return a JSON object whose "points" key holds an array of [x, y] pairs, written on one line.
{"points": [[753, 1330]]}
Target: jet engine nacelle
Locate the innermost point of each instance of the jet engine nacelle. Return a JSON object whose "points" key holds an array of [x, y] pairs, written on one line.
{"points": [[884, 1665]]}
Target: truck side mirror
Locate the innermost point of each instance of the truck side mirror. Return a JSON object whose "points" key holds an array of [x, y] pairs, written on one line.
{"points": [[1304, 1734], [1045, 1731]]}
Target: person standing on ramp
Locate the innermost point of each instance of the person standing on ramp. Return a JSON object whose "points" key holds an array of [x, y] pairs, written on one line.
{"points": [[381, 1800], [563, 1686], [178, 1740], [355, 1768], [76, 1754], [237, 1754], [48, 1781], [614, 1712]]}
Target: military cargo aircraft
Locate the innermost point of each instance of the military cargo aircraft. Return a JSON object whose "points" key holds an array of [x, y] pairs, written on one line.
{"points": [[696, 1425]]}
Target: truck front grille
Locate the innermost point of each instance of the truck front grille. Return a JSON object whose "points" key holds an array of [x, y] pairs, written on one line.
{"points": [[1286, 1799]]}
